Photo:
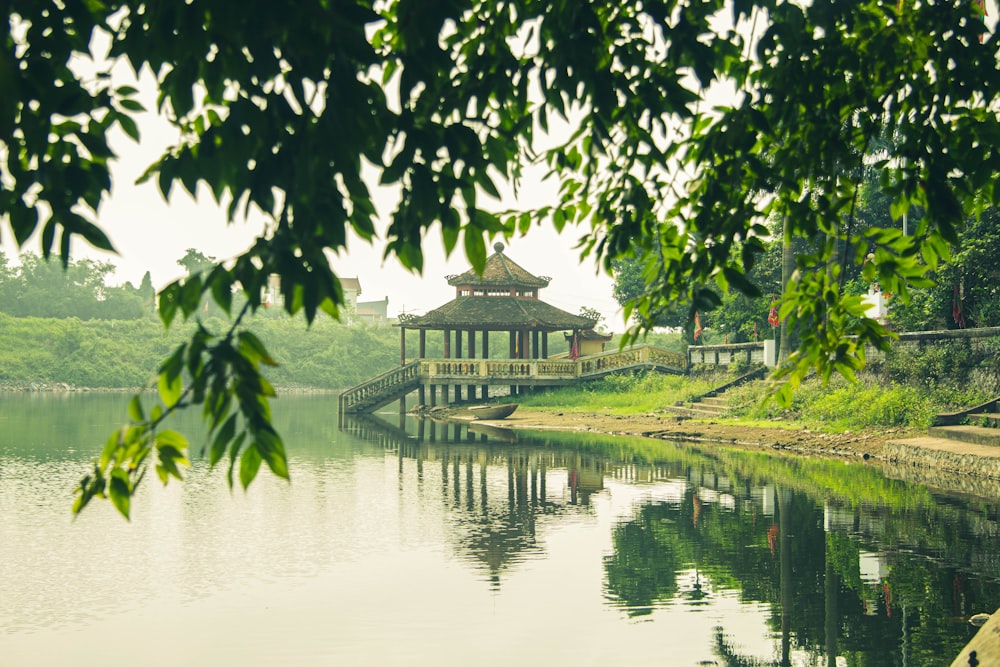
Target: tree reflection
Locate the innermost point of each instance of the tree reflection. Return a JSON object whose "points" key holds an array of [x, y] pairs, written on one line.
{"points": [[850, 565]]}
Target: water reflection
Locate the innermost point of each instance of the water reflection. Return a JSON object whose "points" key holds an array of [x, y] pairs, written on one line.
{"points": [[404, 542], [496, 492], [845, 561]]}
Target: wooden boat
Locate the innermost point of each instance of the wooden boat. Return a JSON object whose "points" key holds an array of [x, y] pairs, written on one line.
{"points": [[499, 411], [493, 433]]}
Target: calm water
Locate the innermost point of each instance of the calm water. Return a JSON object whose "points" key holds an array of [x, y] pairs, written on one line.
{"points": [[436, 546]]}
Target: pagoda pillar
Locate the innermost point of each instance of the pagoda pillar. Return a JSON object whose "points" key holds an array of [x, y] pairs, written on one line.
{"points": [[472, 355], [534, 344], [423, 343], [458, 355], [485, 389], [513, 355], [447, 355], [526, 352], [545, 345], [402, 346]]}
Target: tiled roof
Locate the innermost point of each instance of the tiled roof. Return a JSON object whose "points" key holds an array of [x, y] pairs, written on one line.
{"points": [[500, 271], [498, 313], [590, 334]]}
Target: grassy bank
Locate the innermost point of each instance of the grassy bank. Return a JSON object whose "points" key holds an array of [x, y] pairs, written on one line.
{"points": [[113, 354], [870, 403]]}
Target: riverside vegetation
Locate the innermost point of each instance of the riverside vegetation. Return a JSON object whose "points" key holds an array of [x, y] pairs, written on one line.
{"points": [[905, 389]]}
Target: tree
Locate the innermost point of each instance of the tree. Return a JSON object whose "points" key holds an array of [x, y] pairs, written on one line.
{"points": [[37, 288], [283, 107], [196, 262]]}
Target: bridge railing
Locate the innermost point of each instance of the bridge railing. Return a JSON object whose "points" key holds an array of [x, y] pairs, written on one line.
{"points": [[473, 370], [379, 385], [501, 371], [761, 352], [633, 356]]}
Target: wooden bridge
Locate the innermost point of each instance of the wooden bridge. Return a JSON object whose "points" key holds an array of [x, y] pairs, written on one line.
{"points": [[397, 383]]}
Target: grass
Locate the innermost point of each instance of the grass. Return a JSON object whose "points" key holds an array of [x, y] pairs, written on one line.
{"points": [[840, 406], [623, 394]]}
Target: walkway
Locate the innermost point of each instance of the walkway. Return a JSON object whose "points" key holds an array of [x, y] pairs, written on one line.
{"points": [[397, 383]]}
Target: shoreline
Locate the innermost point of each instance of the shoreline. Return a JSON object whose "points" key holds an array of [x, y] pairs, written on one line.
{"points": [[865, 445], [909, 455]]}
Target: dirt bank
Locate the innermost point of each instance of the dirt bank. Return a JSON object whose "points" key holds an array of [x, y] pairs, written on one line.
{"points": [[846, 445]]}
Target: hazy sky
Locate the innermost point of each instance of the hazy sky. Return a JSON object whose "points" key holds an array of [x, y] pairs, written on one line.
{"points": [[151, 234]]}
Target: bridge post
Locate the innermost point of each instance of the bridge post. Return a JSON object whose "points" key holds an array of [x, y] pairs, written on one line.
{"points": [[486, 355]]}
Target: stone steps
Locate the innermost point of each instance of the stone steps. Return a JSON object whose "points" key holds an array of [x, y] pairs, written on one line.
{"points": [[694, 412], [979, 435], [978, 425], [714, 402], [703, 407]]}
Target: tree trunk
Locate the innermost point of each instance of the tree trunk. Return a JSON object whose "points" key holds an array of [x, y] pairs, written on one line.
{"points": [[787, 267]]}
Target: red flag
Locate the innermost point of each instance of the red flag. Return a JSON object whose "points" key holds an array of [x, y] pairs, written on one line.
{"points": [[772, 316], [956, 309], [981, 5], [697, 326]]}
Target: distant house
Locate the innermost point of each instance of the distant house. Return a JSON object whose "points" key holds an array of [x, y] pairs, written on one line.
{"points": [[272, 293], [272, 296], [352, 290], [586, 342], [373, 312]]}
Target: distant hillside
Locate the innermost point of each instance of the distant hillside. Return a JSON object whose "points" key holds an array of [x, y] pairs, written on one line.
{"points": [[126, 353]]}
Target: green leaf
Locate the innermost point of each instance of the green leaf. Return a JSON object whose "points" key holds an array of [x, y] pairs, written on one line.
{"points": [[135, 412], [249, 465], [222, 439], [169, 388], [475, 248], [254, 349], [128, 126], [120, 490], [131, 105]]}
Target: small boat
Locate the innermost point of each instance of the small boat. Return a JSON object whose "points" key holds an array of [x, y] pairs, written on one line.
{"points": [[493, 433], [499, 411]]}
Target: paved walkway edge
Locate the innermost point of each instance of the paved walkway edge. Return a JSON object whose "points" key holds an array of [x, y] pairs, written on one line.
{"points": [[946, 464]]}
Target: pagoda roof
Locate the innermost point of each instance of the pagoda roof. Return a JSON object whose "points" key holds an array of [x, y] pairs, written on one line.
{"points": [[590, 334], [499, 271], [497, 313]]}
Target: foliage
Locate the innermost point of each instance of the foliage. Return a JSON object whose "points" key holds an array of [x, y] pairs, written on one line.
{"points": [[592, 314], [854, 406], [284, 108], [117, 354], [37, 288], [966, 292]]}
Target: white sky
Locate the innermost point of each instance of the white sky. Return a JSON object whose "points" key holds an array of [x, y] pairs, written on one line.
{"points": [[151, 234]]}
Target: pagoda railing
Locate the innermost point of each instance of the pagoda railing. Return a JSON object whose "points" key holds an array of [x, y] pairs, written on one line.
{"points": [[398, 382]]}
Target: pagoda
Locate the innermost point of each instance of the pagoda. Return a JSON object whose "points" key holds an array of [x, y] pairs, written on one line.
{"points": [[503, 299]]}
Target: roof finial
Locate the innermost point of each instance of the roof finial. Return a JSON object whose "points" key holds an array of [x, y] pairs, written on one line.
{"points": [[498, 247]]}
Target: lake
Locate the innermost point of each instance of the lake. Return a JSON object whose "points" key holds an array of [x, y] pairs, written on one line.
{"points": [[418, 543]]}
